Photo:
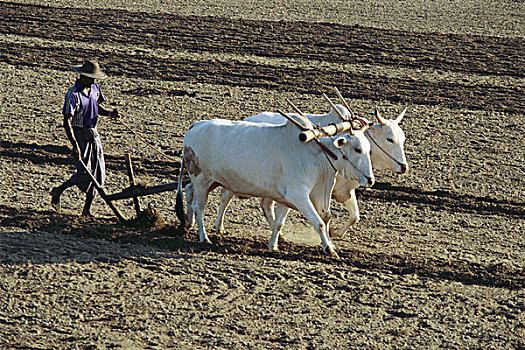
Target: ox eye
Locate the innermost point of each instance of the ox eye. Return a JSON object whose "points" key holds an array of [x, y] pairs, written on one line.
{"points": [[391, 140], [358, 150]]}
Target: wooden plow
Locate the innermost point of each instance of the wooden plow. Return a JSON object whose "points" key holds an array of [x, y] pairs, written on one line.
{"points": [[134, 191]]}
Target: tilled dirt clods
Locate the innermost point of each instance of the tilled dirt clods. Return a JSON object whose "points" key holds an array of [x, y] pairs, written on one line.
{"points": [[436, 261]]}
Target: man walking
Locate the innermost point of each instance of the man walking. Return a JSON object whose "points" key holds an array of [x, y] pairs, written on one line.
{"points": [[82, 106]]}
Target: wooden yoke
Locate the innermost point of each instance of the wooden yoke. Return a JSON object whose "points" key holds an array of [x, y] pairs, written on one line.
{"points": [[329, 130], [296, 123]]}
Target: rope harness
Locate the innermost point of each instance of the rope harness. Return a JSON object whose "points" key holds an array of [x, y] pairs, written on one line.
{"points": [[381, 148], [349, 161]]}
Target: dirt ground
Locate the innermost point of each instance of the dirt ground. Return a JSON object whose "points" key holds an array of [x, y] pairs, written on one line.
{"points": [[437, 260]]}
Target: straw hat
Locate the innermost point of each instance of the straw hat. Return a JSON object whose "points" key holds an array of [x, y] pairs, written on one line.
{"points": [[90, 69]]}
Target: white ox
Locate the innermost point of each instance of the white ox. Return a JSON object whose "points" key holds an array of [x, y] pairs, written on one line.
{"points": [[269, 161], [387, 152]]}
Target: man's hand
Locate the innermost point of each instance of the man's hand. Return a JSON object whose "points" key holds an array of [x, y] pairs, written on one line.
{"points": [[75, 153]]}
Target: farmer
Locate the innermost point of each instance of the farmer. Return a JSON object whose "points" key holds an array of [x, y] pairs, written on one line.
{"points": [[81, 109]]}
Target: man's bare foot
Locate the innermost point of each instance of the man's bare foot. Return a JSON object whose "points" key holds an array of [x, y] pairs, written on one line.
{"points": [[55, 199]]}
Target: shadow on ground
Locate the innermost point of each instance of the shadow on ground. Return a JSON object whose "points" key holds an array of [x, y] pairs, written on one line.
{"points": [[153, 231]]}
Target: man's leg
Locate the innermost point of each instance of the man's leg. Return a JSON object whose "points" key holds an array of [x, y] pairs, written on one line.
{"points": [[87, 206], [56, 192]]}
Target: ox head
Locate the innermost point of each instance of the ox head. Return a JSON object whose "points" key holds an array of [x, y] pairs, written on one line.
{"points": [[355, 162], [387, 141]]}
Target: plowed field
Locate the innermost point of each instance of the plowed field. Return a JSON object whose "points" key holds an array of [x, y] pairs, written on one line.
{"points": [[436, 261]]}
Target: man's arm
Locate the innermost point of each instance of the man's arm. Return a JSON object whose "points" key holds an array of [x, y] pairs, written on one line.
{"points": [[107, 113], [68, 127]]}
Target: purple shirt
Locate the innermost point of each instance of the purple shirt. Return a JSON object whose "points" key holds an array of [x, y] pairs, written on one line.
{"points": [[82, 107]]}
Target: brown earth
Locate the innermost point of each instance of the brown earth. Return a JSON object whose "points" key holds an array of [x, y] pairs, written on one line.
{"points": [[437, 260]]}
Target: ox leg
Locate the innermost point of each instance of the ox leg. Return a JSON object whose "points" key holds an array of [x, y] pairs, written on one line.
{"points": [[190, 215], [307, 208], [226, 198], [200, 197], [280, 216], [326, 216], [353, 215], [267, 206]]}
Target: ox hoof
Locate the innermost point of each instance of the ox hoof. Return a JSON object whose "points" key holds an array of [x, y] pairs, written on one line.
{"points": [[336, 234], [331, 251], [334, 255], [219, 230]]}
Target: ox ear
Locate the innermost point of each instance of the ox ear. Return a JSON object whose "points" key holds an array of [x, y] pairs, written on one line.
{"points": [[380, 119], [340, 142], [401, 115]]}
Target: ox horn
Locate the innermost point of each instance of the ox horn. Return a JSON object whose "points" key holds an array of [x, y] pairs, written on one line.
{"points": [[350, 131], [401, 115], [344, 102], [380, 119], [307, 122]]}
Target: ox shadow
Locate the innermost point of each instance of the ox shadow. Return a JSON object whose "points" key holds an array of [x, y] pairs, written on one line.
{"points": [[455, 202], [83, 240]]}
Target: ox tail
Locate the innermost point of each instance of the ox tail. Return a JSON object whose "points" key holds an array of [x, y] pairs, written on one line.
{"points": [[179, 203]]}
